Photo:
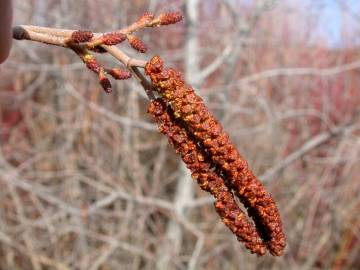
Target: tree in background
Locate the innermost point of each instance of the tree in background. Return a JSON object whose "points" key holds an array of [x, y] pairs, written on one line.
{"points": [[102, 186]]}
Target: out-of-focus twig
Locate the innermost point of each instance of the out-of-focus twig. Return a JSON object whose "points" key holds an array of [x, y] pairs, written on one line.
{"points": [[307, 147]]}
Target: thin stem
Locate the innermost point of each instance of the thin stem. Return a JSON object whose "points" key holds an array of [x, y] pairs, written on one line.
{"points": [[148, 87], [124, 58], [132, 65], [67, 32], [20, 33], [134, 27], [49, 31]]}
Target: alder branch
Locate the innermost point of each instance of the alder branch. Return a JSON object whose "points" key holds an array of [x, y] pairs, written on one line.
{"points": [[86, 43], [178, 100], [57, 37], [147, 20]]}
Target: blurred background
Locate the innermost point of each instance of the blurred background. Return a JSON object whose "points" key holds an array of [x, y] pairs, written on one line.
{"points": [[87, 182]]}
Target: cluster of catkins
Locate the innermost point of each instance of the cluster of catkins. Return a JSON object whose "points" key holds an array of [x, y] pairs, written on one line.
{"points": [[214, 161]]}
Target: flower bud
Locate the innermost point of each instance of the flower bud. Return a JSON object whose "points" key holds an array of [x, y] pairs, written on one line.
{"points": [[80, 36], [170, 18], [119, 74], [136, 43], [104, 81], [113, 38]]}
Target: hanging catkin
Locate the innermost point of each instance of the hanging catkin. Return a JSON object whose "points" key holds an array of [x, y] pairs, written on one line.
{"points": [[198, 120]]}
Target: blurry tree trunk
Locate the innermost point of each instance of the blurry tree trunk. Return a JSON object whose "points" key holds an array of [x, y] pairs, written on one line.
{"points": [[185, 189]]}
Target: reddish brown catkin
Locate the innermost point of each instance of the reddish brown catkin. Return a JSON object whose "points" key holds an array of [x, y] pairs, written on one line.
{"points": [[209, 132], [208, 180], [80, 36]]}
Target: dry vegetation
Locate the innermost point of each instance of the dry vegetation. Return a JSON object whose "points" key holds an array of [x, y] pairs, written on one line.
{"points": [[88, 183]]}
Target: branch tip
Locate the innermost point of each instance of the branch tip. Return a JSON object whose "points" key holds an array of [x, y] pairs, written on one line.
{"points": [[19, 33]]}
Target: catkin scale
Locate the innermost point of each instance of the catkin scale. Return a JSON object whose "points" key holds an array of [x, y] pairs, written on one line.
{"points": [[191, 109], [225, 204]]}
